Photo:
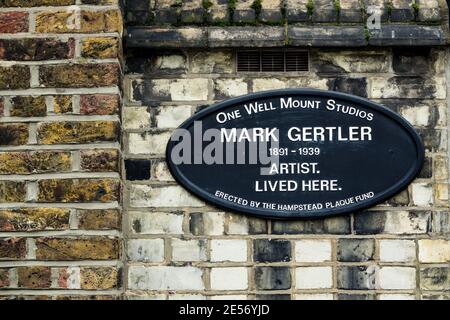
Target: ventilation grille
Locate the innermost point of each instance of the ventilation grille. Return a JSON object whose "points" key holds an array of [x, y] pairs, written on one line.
{"points": [[272, 61]]}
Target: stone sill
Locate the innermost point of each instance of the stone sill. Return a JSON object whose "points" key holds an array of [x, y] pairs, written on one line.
{"points": [[271, 36]]}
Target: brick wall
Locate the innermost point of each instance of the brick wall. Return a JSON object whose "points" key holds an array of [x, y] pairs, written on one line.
{"points": [[59, 149], [179, 247]]}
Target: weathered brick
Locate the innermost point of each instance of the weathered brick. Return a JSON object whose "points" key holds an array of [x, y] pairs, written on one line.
{"points": [[434, 251], [100, 48], [100, 160], [392, 222], [354, 250], [4, 278], [272, 278], [13, 134], [12, 191], [2, 107], [14, 77], [101, 104], [98, 219], [62, 104], [28, 106], [156, 222], [78, 190], [136, 118], [13, 22], [98, 278], [56, 21], [79, 75], [240, 224], [101, 21], [356, 277], [36, 49], [354, 296], [334, 225], [101, 2], [13, 248], [270, 250], [172, 116], [165, 278], [157, 197], [145, 250], [435, 278], [207, 223], [78, 132], [34, 162], [34, 277], [34, 219], [90, 248], [35, 3], [188, 250]]}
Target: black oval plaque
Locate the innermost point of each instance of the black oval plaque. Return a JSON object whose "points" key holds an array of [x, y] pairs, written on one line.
{"points": [[295, 153]]}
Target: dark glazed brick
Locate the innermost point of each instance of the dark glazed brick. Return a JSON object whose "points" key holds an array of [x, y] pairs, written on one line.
{"points": [[272, 278], [134, 5], [427, 171], [356, 278], [257, 226], [355, 86], [355, 250], [370, 222], [196, 223], [435, 278], [244, 16], [431, 139], [265, 250], [412, 61], [334, 225], [137, 169]]}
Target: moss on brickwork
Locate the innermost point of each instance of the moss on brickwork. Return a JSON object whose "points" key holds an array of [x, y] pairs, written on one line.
{"points": [[34, 219], [98, 219], [99, 278], [13, 248], [35, 3], [62, 104], [100, 48], [78, 190], [15, 77], [13, 134], [79, 75], [78, 132], [34, 277], [34, 162], [12, 191], [88, 248], [100, 160], [49, 97], [28, 106]]}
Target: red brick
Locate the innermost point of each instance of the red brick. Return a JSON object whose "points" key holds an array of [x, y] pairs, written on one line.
{"points": [[101, 104], [13, 248], [13, 22]]}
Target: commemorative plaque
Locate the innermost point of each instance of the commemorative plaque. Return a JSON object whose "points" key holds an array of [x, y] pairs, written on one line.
{"points": [[295, 153]]}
